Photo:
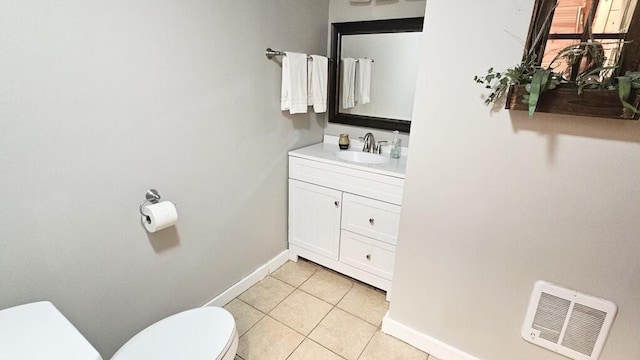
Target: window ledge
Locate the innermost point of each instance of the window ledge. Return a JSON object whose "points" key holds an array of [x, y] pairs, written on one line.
{"points": [[565, 100]]}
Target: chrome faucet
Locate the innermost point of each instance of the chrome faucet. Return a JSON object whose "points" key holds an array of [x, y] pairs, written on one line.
{"points": [[369, 143]]}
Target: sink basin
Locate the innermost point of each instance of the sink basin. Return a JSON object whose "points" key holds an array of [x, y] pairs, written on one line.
{"points": [[361, 157]]}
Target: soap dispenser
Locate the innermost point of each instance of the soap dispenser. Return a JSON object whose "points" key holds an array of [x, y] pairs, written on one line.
{"points": [[395, 146]]}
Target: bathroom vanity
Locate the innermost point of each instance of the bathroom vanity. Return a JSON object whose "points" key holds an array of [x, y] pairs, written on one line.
{"points": [[344, 214]]}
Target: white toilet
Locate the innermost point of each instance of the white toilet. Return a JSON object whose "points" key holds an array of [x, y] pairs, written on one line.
{"points": [[39, 331]]}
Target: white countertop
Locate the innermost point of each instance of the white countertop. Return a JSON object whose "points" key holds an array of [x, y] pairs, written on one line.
{"points": [[325, 152]]}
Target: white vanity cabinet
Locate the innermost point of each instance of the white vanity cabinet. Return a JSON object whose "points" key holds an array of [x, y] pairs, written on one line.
{"points": [[343, 215]]}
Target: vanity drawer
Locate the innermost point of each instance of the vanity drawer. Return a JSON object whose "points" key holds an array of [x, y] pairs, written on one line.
{"points": [[366, 254], [372, 218]]}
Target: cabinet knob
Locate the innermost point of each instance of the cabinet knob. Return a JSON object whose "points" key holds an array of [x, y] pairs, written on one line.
{"points": [[368, 256], [336, 203], [371, 220]]}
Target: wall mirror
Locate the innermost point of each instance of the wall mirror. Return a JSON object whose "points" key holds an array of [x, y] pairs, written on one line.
{"points": [[393, 45]]}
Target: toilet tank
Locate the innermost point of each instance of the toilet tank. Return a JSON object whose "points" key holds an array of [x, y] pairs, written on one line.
{"points": [[39, 331]]}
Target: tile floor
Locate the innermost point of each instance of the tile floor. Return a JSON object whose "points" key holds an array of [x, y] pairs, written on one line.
{"points": [[304, 311]]}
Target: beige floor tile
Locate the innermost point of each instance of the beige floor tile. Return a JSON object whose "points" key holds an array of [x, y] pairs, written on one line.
{"points": [[301, 311], [365, 303], [268, 340], [431, 357], [245, 315], [295, 273], [327, 286], [237, 358], [310, 350], [266, 294], [343, 333], [385, 347]]}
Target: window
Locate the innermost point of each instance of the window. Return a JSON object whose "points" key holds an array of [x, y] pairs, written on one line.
{"points": [[604, 41], [614, 25]]}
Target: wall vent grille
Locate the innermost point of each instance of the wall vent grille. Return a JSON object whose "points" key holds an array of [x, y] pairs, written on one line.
{"points": [[570, 323], [550, 315]]}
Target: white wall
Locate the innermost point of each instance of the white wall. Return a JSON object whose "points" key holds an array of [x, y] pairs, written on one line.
{"points": [[343, 11], [495, 201], [101, 100]]}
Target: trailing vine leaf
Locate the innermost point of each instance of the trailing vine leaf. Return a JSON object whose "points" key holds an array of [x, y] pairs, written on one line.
{"points": [[538, 85], [634, 76], [499, 83], [624, 90]]}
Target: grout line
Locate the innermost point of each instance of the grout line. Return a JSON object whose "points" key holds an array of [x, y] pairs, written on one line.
{"points": [[367, 345], [283, 324], [285, 298], [317, 268], [310, 276], [321, 320], [353, 283], [252, 326], [296, 348], [326, 348]]}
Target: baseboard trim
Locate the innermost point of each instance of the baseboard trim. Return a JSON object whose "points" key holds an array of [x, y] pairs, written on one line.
{"points": [[422, 341], [248, 281]]}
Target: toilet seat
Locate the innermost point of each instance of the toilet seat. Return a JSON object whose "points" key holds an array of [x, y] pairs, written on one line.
{"points": [[206, 333], [39, 331]]}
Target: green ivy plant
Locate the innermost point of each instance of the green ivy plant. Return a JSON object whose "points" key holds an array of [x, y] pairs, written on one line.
{"points": [[536, 81]]}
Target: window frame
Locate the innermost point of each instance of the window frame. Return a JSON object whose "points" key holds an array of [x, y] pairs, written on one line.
{"points": [[594, 102], [630, 51]]}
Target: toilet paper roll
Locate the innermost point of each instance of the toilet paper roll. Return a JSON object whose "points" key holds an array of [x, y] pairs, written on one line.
{"points": [[159, 216]]}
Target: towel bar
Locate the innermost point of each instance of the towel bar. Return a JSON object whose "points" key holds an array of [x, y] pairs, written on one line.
{"points": [[270, 53]]}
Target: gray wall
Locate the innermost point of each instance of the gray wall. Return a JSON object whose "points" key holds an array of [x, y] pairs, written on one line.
{"points": [[344, 11], [495, 200], [101, 100]]}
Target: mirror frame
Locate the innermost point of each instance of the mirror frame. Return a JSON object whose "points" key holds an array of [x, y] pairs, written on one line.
{"points": [[364, 27]]}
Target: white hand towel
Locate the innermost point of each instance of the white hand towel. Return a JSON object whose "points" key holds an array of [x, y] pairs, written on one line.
{"points": [[309, 72], [363, 81], [294, 83], [318, 75], [348, 83]]}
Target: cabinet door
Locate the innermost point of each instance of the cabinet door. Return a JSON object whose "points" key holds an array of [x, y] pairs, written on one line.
{"points": [[314, 218]]}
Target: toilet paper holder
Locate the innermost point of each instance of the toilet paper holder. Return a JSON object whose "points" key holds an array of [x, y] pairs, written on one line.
{"points": [[157, 215], [152, 197]]}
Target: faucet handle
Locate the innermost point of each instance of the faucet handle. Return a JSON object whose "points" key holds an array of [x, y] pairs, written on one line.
{"points": [[379, 144]]}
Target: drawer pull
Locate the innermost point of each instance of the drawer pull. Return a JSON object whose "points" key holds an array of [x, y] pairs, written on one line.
{"points": [[368, 256], [336, 203], [371, 220]]}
